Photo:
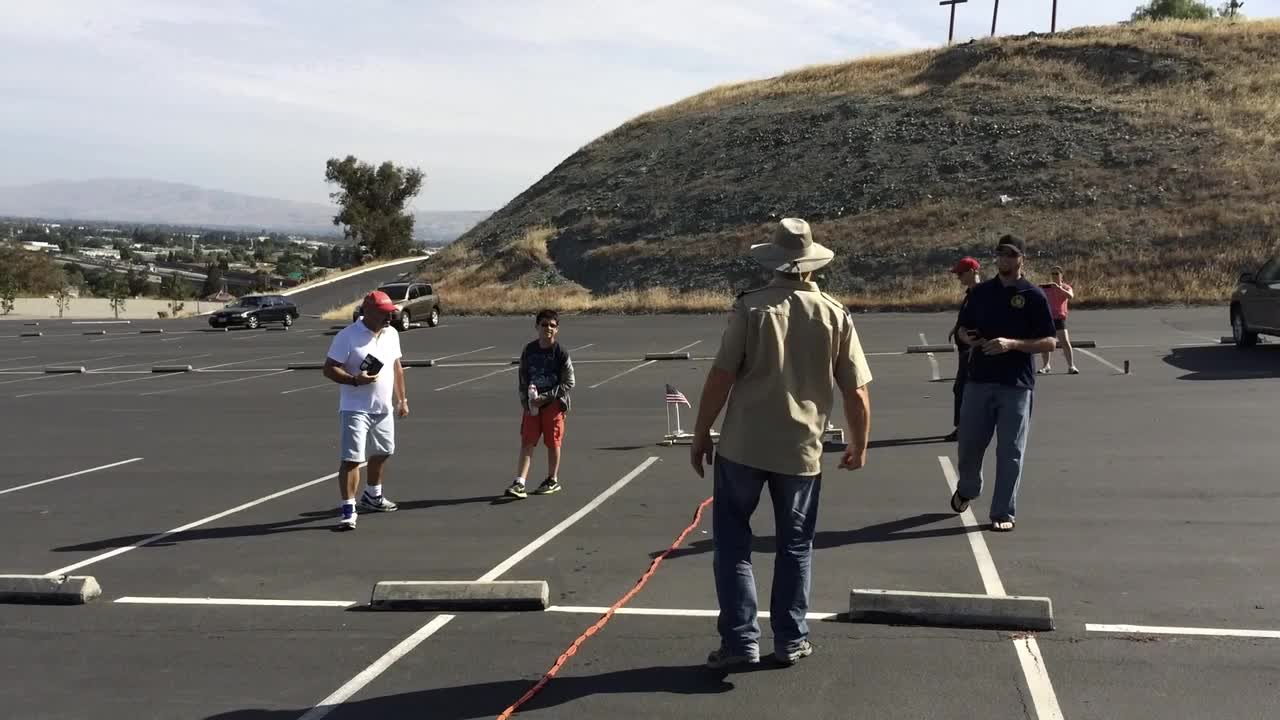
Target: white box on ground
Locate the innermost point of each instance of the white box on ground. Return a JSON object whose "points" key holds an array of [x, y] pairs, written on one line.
{"points": [[1011, 612], [45, 590]]}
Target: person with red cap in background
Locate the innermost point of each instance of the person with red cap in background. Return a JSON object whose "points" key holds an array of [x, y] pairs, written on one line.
{"points": [[967, 272], [364, 359]]}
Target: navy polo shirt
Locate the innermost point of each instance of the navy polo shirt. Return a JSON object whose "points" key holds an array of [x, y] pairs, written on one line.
{"points": [[1019, 312]]}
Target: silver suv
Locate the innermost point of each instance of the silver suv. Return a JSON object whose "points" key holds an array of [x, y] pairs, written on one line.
{"points": [[413, 300]]}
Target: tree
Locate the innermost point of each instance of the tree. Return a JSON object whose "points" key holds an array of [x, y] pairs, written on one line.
{"points": [[117, 293], [8, 290], [173, 289], [321, 256], [372, 203], [63, 296], [138, 284], [1173, 10], [1231, 9], [212, 281]]}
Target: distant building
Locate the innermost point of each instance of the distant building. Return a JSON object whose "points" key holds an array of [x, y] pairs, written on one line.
{"points": [[40, 246]]}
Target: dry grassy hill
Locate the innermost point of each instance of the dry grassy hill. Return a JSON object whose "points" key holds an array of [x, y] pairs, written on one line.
{"points": [[1142, 158]]}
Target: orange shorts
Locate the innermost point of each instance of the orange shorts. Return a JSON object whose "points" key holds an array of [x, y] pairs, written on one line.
{"points": [[547, 424]]}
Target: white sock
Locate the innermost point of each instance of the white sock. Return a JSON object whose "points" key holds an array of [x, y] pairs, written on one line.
{"points": [[375, 490], [520, 481]]}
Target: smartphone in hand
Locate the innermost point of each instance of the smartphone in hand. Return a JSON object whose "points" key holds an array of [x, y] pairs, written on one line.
{"points": [[371, 365]]}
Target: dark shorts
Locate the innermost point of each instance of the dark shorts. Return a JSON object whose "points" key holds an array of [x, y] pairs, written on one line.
{"points": [[1059, 323]]}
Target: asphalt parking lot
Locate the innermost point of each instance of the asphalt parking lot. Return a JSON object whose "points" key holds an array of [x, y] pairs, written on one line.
{"points": [[204, 504]]}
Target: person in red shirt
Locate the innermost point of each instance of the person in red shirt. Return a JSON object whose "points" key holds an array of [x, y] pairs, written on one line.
{"points": [[1060, 295]]}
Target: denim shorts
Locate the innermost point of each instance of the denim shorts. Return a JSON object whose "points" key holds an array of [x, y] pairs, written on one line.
{"points": [[364, 436]]}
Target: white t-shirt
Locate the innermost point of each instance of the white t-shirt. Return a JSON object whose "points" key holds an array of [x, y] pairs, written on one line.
{"points": [[350, 347]]}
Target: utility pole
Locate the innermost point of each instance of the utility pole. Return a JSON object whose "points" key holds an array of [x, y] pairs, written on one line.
{"points": [[951, 31], [1053, 24], [994, 14]]}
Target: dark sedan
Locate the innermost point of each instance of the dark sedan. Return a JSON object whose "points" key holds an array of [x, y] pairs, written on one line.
{"points": [[252, 311], [1255, 305]]}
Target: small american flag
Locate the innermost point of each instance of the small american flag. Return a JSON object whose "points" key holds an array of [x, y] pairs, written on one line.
{"points": [[675, 397]]}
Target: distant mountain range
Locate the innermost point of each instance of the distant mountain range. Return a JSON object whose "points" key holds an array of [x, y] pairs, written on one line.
{"points": [[138, 201]]}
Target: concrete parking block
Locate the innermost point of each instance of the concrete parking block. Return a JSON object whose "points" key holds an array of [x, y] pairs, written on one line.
{"points": [[902, 607], [460, 595], [94, 332], [153, 331], [425, 362], [930, 348], [32, 334], [170, 368], [44, 590], [668, 356], [305, 366], [63, 369]]}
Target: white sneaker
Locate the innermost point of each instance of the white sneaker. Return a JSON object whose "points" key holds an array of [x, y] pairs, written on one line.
{"points": [[377, 504]]}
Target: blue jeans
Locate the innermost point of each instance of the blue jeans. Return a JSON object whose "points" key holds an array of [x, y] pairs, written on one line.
{"points": [[795, 511], [1003, 410]]}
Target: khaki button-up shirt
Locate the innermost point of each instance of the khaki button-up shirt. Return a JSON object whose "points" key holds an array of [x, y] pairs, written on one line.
{"points": [[789, 346]]}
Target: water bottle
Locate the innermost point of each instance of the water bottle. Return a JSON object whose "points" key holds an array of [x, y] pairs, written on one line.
{"points": [[533, 395]]}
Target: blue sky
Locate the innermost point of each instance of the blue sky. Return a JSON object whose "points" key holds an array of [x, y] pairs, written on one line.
{"points": [[485, 95]]}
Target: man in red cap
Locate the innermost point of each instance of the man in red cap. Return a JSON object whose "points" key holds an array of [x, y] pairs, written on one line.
{"points": [[967, 271], [365, 360]]}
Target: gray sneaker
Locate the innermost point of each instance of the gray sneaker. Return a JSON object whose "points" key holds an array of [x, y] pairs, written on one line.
{"points": [[804, 649], [720, 659], [376, 504]]}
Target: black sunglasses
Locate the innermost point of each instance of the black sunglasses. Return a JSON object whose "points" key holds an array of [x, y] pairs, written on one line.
{"points": [[549, 325]]}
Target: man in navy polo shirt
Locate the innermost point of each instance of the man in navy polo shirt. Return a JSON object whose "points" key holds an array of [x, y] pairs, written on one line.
{"points": [[1006, 321]]}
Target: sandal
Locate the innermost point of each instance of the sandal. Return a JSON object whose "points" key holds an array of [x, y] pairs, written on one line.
{"points": [[959, 504], [1002, 525]]}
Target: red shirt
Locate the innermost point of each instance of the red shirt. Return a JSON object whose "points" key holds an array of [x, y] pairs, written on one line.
{"points": [[1057, 300]]}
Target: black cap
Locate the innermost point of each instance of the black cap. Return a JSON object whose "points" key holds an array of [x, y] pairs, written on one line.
{"points": [[1012, 242]]}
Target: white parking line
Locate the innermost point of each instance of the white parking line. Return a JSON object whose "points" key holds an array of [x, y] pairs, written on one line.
{"points": [[1164, 630], [506, 369], [69, 475], [644, 364], [189, 526], [933, 360], [234, 601], [15, 359], [220, 382], [241, 362], [469, 352], [1100, 359], [667, 612], [1043, 697], [73, 362], [148, 376], [481, 377], [355, 684]]}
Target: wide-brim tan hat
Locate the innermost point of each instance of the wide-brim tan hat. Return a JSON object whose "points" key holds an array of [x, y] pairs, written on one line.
{"points": [[792, 250]]}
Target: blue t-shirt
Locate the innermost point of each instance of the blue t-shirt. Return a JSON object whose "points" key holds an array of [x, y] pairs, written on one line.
{"points": [[1019, 312]]}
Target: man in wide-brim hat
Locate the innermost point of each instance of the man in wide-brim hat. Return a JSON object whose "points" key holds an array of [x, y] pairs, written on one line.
{"points": [[788, 346]]}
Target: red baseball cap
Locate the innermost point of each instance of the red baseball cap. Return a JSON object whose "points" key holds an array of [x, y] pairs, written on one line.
{"points": [[379, 300], [965, 265]]}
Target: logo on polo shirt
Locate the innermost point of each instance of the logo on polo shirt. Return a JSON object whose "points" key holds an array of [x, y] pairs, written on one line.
{"points": [[1017, 301]]}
